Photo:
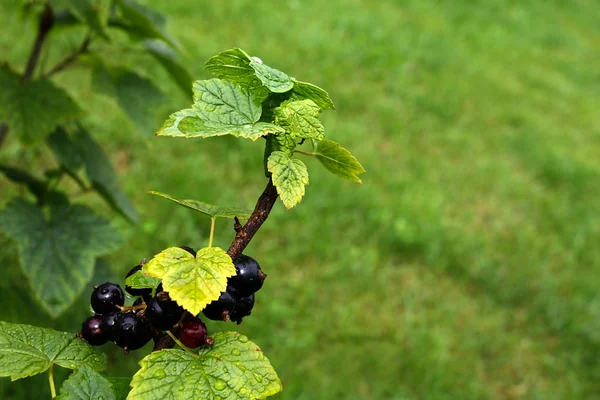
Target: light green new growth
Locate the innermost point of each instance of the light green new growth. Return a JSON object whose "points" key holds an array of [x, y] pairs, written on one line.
{"points": [[192, 282], [250, 99], [233, 368], [140, 280], [27, 350], [289, 177]]}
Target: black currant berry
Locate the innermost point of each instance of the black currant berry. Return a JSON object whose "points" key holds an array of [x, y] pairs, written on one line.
{"points": [[189, 250], [193, 333], [243, 308], [249, 278], [107, 297], [108, 323], [131, 331], [220, 309], [92, 332], [137, 292], [163, 315]]}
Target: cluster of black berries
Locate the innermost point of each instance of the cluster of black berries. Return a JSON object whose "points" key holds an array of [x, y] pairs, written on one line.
{"points": [[132, 327], [238, 300]]}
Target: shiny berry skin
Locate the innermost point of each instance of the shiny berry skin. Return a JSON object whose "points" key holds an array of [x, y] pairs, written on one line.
{"points": [[108, 323], [249, 278], [136, 292], [107, 297], [193, 333], [92, 332], [189, 250], [243, 308], [220, 309], [163, 315], [131, 331]]}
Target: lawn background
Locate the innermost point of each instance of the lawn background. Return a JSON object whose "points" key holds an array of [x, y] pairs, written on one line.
{"points": [[467, 264]]}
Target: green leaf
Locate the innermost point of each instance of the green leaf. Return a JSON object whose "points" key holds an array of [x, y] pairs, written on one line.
{"points": [[86, 12], [192, 282], [16, 175], [144, 22], [86, 384], [168, 59], [139, 98], [27, 350], [300, 118], [275, 80], [209, 209], [338, 160], [102, 77], [289, 177], [67, 153], [234, 65], [233, 368], [278, 142], [222, 103], [120, 386], [60, 249], [32, 110], [139, 280], [187, 124], [102, 176], [313, 92]]}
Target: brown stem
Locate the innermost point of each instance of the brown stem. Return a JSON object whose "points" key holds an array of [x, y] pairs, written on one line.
{"points": [[46, 22], [243, 236], [70, 58], [260, 214]]}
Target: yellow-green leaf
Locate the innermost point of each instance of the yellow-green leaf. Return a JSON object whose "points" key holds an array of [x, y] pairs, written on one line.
{"points": [[208, 209], [192, 282], [289, 177]]}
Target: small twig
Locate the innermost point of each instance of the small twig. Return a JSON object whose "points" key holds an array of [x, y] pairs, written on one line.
{"points": [[70, 58], [46, 22], [260, 214]]}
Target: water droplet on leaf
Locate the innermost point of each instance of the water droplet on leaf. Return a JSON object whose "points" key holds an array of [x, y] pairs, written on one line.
{"points": [[219, 384], [243, 339], [236, 352], [160, 373], [258, 378]]}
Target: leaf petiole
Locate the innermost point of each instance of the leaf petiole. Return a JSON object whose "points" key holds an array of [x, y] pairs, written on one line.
{"points": [[184, 347], [213, 221], [306, 153], [51, 381]]}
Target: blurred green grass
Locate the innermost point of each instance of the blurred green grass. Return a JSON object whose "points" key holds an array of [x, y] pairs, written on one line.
{"points": [[467, 265]]}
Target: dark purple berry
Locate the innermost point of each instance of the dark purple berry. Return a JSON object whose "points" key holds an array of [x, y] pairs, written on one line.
{"points": [[193, 333], [92, 332], [107, 297], [220, 309], [189, 250], [108, 323], [136, 292], [131, 331], [243, 308], [249, 278], [163, 314]]}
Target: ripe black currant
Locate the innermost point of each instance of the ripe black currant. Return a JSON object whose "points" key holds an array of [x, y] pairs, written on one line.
{"points": [[189, 250], [193, 333], [92, 332], [249, 278], [131, 331], [107, 297], [220, 309], [109, 320], [243, 308], [137, 292], [163, 314]]}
